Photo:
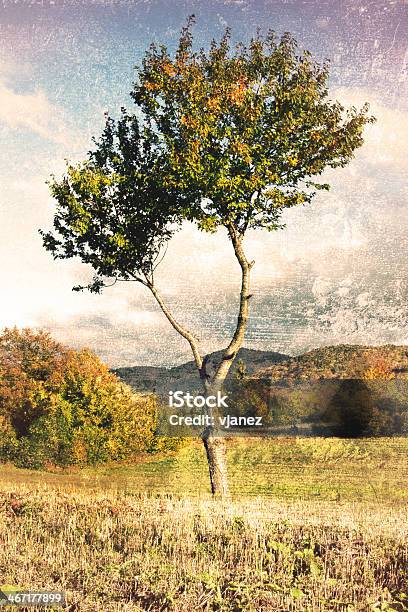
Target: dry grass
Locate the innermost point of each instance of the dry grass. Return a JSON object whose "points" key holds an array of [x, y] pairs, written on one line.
{"points": [[313, 525], [118, 551]]}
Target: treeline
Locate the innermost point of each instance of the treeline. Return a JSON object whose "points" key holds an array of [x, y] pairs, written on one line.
{"points": [[374, 405], [345, 390], [61, 407]]}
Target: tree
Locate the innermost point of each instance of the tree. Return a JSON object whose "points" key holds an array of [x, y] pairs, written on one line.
{"points": [[227, 138], [27, 359], [352, 410], [63, 406]]}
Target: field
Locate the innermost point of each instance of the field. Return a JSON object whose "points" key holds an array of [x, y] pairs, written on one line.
{"points": [[311, 525]]}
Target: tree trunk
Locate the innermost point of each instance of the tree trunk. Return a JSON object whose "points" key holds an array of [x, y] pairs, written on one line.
{"points": [[214, 444], [217, 463], [213, 439]]}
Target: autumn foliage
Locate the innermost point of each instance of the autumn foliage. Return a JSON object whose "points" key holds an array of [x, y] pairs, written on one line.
{"points": [[60, 406]]}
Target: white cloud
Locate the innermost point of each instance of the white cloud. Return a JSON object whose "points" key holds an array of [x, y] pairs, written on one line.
{"points": [[386, 141], [35, 113]]}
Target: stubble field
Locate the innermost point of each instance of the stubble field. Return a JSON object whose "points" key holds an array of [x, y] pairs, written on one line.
{"points": [[311, 525]]}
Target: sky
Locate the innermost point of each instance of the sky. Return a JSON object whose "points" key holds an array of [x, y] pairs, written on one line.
{"points": [[338, 272]]}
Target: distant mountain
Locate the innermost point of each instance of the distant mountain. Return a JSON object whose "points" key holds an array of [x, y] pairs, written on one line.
{"points": [[342, 361], [184, 377]]}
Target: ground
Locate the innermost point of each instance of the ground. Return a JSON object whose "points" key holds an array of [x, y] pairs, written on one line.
{"points": [[312, 525]]}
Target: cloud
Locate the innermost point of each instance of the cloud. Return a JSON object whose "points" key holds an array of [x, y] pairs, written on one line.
{"points": [[386, 141], [35, 113]]}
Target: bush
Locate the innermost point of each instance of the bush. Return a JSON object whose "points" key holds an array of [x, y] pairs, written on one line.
{"points": [[65, 407], [8, 440]]}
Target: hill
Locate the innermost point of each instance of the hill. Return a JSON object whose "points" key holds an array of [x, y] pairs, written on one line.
{"points": [[184, 377], [342, 361]]}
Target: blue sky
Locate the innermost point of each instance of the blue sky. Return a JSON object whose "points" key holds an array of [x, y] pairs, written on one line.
{"points": [[338, 273]]}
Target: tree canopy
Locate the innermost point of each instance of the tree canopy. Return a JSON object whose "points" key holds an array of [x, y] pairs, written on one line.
{"points": [[229, 137], [113, 212], [249, 127]]}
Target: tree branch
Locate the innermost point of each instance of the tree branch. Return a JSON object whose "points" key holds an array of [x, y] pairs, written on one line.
{"points": [[242, 321], [185, 333]]}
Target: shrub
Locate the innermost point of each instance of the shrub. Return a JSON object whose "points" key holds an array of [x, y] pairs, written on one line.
{"points": [[63, 407]]}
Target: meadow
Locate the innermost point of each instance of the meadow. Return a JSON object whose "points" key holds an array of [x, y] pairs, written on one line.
{"points": [[312, 524]]}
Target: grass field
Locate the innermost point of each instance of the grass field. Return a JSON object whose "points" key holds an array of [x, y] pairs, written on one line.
{"points": [[374, 469], [312, 525]]}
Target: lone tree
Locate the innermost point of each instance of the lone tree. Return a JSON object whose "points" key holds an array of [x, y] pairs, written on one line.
{"points": [[224, 138]]}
